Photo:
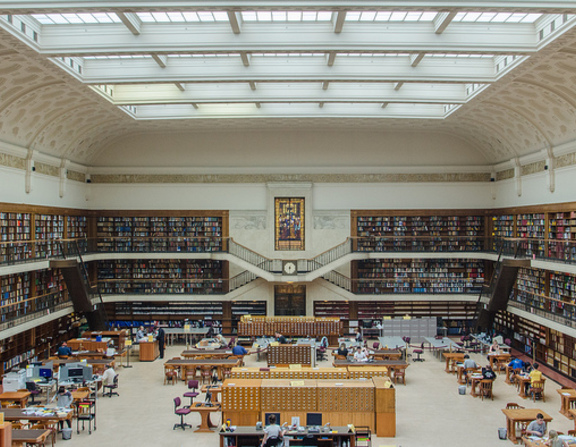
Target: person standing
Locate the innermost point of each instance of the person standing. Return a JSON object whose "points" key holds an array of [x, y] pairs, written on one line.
{"points": [[64, 400], [161, 337]]}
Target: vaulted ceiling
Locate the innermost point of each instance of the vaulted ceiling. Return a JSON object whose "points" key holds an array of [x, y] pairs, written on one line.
{"points": [[78, 77]]}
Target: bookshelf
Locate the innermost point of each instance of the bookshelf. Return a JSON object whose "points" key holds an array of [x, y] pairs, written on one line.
{"points": [[165, 276], [15, 230], [383, 231], [562, 288], [13, 290], [195, 233], [530, 286], [165, 311], [48, 230], [417, 276]]}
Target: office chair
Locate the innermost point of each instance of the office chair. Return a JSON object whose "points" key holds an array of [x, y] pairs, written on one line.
{"points": [[192, 385], [180, 411], [418, 352], [111, 388], [33, 390], [273, 441]]}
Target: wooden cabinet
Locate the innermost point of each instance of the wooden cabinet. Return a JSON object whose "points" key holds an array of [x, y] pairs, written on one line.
{"points": [[149, 351], [6, 434], [385, 407]]}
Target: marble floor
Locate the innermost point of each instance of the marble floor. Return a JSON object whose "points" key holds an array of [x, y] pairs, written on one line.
{"points": [[430, 411]]}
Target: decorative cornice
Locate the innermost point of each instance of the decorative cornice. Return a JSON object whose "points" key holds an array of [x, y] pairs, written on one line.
{"points": [[315, 178], [77, 176]]}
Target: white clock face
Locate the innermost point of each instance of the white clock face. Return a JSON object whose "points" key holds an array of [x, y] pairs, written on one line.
{"points": [[289, 267]]}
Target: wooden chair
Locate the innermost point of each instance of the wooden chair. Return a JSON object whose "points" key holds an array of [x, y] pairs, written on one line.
{"points": [[468, 374], [513, 406], [170, 374], [340, 357], [486, 389], [537, 390], [571, 432], [206, 373], [399, 374]]}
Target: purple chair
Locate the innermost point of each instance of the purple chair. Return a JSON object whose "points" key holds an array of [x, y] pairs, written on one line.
{"points": [[192, 385], [182, 411]]}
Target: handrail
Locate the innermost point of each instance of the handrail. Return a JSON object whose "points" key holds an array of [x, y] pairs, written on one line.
{"points": [[250, 256], [331, 255], [338, 279], [241, 280]]}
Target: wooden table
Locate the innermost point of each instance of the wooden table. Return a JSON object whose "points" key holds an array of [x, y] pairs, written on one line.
{"points": [[496, 360], [567, 397], [206, 425], [208, 354], [475, 380], [215, 391], [523, 381], [451, 359], [521, 415], [386, 354], [31, 437], [15, 396], [185, 364], [98, 365], [18, 414], [251, 436], [572, 415]]}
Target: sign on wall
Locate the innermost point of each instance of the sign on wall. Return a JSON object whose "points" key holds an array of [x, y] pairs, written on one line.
{"points": [[289, 223]]}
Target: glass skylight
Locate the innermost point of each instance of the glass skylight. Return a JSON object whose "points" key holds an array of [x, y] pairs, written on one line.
{"points": [[492, 17], [183, 17], [119, 56], [74, 19], [389, 16], [286, 16]]}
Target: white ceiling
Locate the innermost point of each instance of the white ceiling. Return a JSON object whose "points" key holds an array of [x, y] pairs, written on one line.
{"points": [[498, 76]]}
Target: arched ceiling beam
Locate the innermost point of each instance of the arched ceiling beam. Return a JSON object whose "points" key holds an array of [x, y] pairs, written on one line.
{"points": [[58, 116], [34, 89]]}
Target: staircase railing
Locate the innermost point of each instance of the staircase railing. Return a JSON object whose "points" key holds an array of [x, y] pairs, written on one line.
{"points": [[72, 248], [242, 279], [329, 256], [251, 256], [339, 280]]}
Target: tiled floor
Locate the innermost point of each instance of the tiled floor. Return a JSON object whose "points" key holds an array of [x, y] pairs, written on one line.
{"points": [[430, 412]]}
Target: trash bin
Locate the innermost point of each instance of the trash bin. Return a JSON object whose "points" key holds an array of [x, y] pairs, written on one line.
{"points": [[66, 433], [502, 433], [462, 389]]}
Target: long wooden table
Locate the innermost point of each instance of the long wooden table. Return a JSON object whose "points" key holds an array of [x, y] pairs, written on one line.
{"points": [[521, 415], [185, 364], [209, 353], [496, 360], [30, 437], [19, 414], [15, 396]]}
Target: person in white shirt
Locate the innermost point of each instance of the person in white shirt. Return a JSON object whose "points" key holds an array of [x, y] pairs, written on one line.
{"points": [[141, 335], [360, 355], [108, 376]]}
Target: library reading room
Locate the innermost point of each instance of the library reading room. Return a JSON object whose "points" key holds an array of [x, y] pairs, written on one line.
{"points": [[283, 223]]}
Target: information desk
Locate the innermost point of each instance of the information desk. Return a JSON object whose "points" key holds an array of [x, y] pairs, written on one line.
{"points": [[521, 415], [149, 350], [249, 436]]}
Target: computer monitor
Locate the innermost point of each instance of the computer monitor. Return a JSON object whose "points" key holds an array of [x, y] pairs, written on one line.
{"points": [[75, 373], [45, 373], [313, 419], [267, 418]]}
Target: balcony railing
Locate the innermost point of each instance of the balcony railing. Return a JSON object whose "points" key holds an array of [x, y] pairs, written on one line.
{"points": [[550, 308], [23, 310]]}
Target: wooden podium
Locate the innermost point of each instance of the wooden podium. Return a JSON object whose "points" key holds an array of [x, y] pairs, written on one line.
{"points": [[149, 351]]}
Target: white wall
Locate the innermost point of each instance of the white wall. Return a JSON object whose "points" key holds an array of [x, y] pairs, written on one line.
{"points": [[45, 190]]}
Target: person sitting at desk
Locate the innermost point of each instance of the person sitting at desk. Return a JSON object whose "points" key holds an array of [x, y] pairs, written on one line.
{"points": [[273, 430], [537, 427], [64, 350], [494, 347], [141, 335], [360, 355], [108, 376], [65, 400], [342, 350], [280, 338], [488, 374], [515, 363], [535, 375], [221, 340], [554, 441], [468, 362], [239, 350]]}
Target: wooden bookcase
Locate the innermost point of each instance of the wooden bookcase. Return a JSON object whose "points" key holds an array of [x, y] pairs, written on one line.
{"points": [[165, 276], [424, 276]]}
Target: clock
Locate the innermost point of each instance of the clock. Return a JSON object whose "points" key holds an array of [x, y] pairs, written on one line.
{"points": [[289, 268]]}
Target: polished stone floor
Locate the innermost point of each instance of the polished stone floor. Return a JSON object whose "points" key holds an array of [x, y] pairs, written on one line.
{"points": [[430, 411]]}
